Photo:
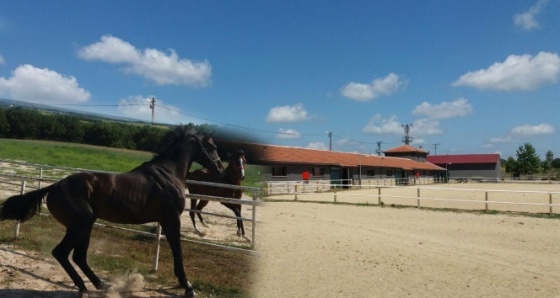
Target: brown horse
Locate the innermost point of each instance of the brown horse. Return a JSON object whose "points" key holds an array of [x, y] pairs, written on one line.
{"points": [[234, 174], [152, 192]]}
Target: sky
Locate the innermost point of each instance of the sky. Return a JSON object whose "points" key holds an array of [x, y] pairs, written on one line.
{"points": [[467, 77]]}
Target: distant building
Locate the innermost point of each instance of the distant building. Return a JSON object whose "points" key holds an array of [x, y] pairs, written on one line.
{"points": [[297, 164], [470, 166]]}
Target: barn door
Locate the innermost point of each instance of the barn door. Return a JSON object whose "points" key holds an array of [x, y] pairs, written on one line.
{"points": [[336, 176]]}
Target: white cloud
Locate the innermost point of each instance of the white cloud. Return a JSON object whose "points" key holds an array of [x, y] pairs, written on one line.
{"points": [[528, 130], [293, 113], [2, 61], [138, 107], [318, 146], [507, 139], [521, 132], [160, 67], [526, 20], [380, 125], [457, 108], [42, 85], [425, 127], [378, 87], [523, 72], [288, 133]]}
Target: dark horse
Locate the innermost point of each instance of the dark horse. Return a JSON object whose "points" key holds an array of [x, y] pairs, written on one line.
{"points": [[234, 174], [152, 192]]}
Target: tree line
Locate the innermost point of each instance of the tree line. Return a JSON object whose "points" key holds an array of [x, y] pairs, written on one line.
{"points": [[26, 123], [528, 163]]}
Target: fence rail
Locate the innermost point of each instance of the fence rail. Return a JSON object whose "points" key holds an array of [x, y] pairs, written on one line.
{"points": [[452, 197], [20, 183]]}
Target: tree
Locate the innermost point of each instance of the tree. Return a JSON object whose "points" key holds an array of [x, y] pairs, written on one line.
{"points": [[555, 164], [547, 163], [511, 166], [528, 162]]}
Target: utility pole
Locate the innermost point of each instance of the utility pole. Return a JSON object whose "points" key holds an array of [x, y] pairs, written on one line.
{"points": [[435, 147], [378, 151], [407, 139], [330, 139], [153, 107]]}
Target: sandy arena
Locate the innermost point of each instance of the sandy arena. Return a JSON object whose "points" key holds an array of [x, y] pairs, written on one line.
{"points": [[325, 250]]}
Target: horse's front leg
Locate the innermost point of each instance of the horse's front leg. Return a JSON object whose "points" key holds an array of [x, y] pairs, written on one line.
{"points": [[201, 204], [171, 225], [191, 214]]}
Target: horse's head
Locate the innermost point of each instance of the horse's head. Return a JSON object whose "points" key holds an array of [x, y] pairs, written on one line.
{"points": [[209, 157], [237, 161]]}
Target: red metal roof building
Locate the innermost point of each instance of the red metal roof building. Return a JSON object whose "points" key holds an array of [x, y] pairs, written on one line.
{"points": [[470, 166]]}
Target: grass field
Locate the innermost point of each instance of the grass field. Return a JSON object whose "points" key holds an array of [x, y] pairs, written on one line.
{"points": [[214, 272]]}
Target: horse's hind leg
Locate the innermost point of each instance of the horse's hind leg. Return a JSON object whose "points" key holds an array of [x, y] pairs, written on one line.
{"points": [[61, 253], [236, 208], [80, 258]]}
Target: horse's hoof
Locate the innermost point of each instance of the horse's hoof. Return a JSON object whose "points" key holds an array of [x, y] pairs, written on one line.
{"points": [[189, 293]]}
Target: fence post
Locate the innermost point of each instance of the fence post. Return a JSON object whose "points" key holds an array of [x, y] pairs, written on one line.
{"points": [[418, 197], [158, 244], [295, 192], [378, 194], [254, 219], [550, 203], [335, 196], [22, 191], [40, 176], [486, 201]]}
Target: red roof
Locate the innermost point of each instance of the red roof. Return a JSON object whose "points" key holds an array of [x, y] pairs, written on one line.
{"points": [[271, 154], [405, 149], [464, 159]]}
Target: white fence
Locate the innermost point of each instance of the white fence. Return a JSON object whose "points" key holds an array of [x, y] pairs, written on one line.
{"points": [[310, 186], [449, 197], [18, 177]]}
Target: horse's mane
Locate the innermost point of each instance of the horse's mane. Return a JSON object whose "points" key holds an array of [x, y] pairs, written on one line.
{"points": [[174, 137]]}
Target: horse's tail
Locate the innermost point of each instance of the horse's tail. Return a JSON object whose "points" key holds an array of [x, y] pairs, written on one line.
{"points": [[25, 206]]}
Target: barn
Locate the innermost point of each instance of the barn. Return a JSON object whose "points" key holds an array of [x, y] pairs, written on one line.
{"points": [[283, 163], [469, 167]]}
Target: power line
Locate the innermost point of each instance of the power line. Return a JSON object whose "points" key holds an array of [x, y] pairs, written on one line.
{"points": [[153, 103]]}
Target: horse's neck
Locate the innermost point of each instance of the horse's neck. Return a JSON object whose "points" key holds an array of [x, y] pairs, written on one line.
{"points": [[231, 175]]}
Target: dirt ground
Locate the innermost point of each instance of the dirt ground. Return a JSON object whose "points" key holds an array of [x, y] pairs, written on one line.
{"points": [[325, 250]]}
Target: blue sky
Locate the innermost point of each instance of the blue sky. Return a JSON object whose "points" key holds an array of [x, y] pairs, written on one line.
{"points": [[470, 76]]}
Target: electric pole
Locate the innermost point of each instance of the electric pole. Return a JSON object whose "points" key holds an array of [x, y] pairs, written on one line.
{"points": [[407, 139], [435, 147], [153, 107], [330, 139], [378, 151]]}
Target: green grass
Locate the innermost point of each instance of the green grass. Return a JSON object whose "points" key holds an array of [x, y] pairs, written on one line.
{"points": [[89, 157], [72, 155]]}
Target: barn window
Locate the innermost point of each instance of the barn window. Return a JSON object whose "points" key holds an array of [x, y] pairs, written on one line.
{"points": [[370, 173], [389, 173], [318, 171], [279, 171]]}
